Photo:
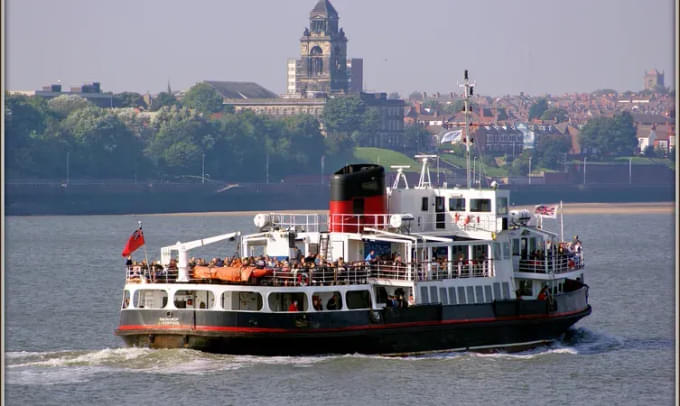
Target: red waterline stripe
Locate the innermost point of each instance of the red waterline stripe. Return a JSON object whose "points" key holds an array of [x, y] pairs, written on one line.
{"points": [[330, 330]]}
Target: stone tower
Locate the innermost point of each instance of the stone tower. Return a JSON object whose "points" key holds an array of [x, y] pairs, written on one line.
{"points": [[322, 67]]}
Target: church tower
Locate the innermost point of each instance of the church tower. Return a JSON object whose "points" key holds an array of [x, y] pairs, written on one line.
{"points": [[322, 67]]}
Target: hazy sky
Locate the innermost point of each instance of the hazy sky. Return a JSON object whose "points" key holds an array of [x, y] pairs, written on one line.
{"points": [[535, 46]]}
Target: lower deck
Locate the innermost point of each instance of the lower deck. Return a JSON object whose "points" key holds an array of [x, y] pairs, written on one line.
{"points": [[388, 330]]}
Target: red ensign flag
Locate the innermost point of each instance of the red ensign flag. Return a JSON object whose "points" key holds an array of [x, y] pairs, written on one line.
{"points": [[135, 241]]}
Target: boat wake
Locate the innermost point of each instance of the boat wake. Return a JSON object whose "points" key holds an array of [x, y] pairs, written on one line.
{"points": [[77, 366]]}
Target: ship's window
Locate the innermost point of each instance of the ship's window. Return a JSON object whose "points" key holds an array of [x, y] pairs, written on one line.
{"points": [[126, 299], [327, 301], [480, 205], [150, 299], [433, 294], [470, 294], [506, 290], [496, 251], [249, 301], [424, 297], [442, 295], [496, 290], [358, 299], [515, 247], [525, 287], [501, 205], [452, 295], [457, 204], [461, 295], [506, 250], [282, 302], [194, 299], [479, 294], [424, 206], [487, 293]]}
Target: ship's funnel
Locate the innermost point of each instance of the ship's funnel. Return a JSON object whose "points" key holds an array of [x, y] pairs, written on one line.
{"points": [[357, 198]]}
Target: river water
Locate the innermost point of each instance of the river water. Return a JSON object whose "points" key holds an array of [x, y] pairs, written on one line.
{"points": [[64, 281]]}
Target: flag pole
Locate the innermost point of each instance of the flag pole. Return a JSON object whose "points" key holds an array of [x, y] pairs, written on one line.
{"points": [[561, 223], [148, 266]]}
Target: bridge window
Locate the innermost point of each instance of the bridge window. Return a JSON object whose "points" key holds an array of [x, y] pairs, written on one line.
{"points": [[457, 204], [234, 300], [424, 206], [480, 205], [358, 299], [150, 299], [501, 205], [285, 302]]}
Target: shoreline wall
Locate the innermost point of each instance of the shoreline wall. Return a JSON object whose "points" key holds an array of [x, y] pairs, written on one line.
{"points": [[58, 199]]}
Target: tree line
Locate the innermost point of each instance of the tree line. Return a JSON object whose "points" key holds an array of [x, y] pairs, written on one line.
{"points": [[175, 140]]}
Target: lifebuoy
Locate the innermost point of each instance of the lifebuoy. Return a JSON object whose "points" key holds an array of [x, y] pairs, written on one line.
{"points": [[467, 220], [457, 217], [477, 219], [302, 279]]}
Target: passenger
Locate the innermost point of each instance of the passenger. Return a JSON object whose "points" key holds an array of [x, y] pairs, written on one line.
{"points": [[219, 262], [316, 302], [334, 302], [370, 258], [544, 293], [293, 306], [128, 263]]}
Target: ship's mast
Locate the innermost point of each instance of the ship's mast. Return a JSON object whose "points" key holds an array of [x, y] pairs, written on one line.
{"points": [[468, 92]]}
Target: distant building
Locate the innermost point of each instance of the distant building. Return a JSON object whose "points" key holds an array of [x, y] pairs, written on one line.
{"points": [[323, 67], [653, 80], [251, 96], [390, 133], [92, 92]]}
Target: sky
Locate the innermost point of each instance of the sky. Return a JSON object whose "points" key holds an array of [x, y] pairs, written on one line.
{"points": [[509, 46]]}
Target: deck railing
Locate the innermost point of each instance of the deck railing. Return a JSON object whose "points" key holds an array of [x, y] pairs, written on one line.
{"points": [[556, 264], [336, 275]]}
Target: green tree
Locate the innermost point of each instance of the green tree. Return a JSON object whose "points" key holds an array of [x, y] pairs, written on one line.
{"points": [[129, 99], [26, 118], [537, 109], [416, 138], [181, 140], [551, 149], [163, 100], [554, 113], [66, 104], [101, 144], [203, 98], [520, 165], [602, 136]]}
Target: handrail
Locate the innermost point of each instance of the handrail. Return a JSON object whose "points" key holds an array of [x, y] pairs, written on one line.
{"points": [[552, 264], [325, 275]]}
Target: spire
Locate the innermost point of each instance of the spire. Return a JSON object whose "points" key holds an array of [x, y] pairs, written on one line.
{"points": [[323, 8], [169, 89]]}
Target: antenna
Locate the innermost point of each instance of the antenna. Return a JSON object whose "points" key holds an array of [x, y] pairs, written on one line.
{"points": [[400, 175], [424, 181], [468, 92]]}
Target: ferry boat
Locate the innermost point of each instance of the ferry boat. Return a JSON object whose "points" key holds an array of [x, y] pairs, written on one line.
{"points": [[389, 270]]}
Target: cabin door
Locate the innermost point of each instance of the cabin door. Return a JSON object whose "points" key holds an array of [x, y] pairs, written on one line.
{"points": [[439, 209], [524, 249]]}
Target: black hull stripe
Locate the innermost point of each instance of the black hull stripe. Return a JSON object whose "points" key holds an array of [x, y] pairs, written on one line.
{"points": [[137, 328]]}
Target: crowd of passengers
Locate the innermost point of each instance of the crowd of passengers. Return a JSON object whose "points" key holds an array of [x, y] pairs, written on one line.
{"points": [[569, 254], [388, 265]]}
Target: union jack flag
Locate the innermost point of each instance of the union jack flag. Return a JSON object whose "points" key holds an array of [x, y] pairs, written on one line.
{"points": [[546, 210]]}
